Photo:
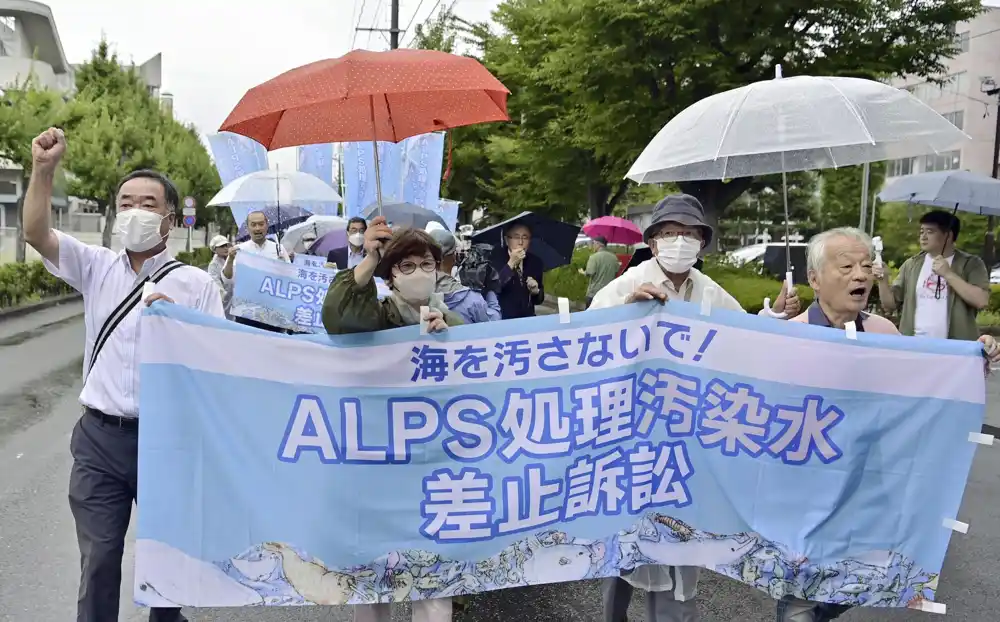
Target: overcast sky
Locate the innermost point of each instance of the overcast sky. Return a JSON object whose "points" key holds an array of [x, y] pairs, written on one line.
{"points": [[214, 50]]}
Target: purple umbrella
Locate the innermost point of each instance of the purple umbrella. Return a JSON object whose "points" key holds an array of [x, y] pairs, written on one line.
{"points": [[329, 242]]}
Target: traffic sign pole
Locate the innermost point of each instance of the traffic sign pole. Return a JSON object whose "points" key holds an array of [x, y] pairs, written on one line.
{"points": [[189, 211]]}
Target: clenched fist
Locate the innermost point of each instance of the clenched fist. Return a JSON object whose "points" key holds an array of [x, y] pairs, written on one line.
{"points": [[48, 149]]}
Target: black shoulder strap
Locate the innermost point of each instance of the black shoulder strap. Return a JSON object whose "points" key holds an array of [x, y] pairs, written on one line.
{"points": [[126, 306]]}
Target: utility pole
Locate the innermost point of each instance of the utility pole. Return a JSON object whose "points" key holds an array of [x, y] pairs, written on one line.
{"points": [[393, 29], [394, 25], [990, 88]]}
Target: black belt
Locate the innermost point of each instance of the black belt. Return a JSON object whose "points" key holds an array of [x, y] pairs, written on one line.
{"points": [[125, 423]]}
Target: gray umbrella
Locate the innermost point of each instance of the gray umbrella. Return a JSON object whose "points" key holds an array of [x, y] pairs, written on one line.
{"points": [[403, 215], [958, 190]]}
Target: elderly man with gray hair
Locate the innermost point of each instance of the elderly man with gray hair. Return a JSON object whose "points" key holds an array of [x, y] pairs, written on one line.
{"points": [[840, 273]]}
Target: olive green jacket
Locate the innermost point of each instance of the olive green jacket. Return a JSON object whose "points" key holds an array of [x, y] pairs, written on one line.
{"points": [[961, 315], [349, 308]]}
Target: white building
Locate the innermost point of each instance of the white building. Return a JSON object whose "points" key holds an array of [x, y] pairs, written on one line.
{"points": [[30, 45], [962, 100]]}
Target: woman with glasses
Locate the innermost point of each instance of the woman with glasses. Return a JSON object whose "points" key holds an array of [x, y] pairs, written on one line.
{"points": [[407, 261]]}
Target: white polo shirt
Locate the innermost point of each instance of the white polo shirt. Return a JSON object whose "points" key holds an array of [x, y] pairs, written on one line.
{"points": [[105, 278]]}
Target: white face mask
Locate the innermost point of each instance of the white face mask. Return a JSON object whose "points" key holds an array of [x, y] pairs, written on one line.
{"points": [[416, 287], [677, 256], [139, 229], [356, 239]]}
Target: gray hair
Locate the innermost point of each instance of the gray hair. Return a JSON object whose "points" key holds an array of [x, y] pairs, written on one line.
{"points": [[816, 254]]}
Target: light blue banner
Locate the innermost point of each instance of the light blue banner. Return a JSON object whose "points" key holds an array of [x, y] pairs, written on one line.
{"points": [[309, 261], [284, 295], [422, 159], [448, 211], [236, 155], [359, 175], [514, 453], [317, 160]]}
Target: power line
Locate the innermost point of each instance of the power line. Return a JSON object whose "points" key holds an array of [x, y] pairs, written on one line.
{"points": [[357, 25], [414, 16]]}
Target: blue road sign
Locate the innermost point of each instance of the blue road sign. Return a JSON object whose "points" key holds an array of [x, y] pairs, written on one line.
{"points": [[189, 221]]}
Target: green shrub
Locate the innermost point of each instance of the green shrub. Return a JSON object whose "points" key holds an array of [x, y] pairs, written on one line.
{"points": [[22, 283], [566, 281], [988, 318], [994, 298], [199, 257]]}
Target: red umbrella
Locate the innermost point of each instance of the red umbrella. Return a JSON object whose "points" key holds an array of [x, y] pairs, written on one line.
{"points": [[614, 229], [363, 95]]}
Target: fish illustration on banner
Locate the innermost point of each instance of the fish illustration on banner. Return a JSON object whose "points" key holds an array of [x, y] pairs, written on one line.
{"points": [[423, 156], [525, 452], [236, 155], [359, 175]]}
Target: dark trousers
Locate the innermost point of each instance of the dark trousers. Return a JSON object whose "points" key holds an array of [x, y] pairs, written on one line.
{"points": [[660, 606], [102, 488]]}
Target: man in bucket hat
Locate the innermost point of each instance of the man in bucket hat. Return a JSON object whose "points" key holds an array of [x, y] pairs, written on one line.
{"points": [[677, 234]]}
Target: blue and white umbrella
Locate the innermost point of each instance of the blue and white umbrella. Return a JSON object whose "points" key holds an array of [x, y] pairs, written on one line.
{"points": [[959, 190]]}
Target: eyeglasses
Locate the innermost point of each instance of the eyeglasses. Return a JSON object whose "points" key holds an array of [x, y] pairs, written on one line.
{"points": [[670, 236], [519, 238], [408, 267]]}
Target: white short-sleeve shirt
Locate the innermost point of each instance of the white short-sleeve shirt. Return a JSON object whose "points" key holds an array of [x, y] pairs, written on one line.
{"points": [[105, 278]]}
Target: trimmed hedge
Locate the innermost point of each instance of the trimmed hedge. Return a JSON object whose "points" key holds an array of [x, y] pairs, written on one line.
{"points": [[745, 285], [23, 283], [199, 257]]}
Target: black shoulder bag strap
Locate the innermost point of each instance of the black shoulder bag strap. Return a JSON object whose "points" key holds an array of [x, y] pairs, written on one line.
{"points": [[125, 308]]}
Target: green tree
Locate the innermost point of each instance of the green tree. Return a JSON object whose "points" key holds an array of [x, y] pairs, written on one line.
{"points": [[469, 177], [763, 206], [25, 112], [594, 80], [118, 127], [840, 204]]}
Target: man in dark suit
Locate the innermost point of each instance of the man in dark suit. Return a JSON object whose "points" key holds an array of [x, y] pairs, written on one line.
{"points": [[520, 274], [352, 254]]}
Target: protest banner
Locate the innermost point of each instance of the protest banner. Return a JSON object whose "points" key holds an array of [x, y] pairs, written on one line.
{"points": [[309, 261], [284, 295], [396, 466]]}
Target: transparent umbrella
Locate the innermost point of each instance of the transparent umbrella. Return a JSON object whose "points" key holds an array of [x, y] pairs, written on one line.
{"points": [[793, 124]]}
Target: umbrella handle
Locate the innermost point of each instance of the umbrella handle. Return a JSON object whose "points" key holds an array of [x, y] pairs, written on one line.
{"points": [[767, 301]]}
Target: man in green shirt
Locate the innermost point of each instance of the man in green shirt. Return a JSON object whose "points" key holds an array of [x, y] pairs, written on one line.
{"points": [[939, 290], [602, 268]]}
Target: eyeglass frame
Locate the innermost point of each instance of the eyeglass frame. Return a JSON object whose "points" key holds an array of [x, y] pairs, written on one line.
{"points": [[423, 266]]}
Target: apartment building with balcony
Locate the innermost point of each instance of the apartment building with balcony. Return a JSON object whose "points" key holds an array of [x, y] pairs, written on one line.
{"points": [[961, 100]]}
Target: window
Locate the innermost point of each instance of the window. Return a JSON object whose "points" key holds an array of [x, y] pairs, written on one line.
{"points": [[8, 187], [956, 118], [947, 161], [955, 83], [898, 168], [962, 42]]}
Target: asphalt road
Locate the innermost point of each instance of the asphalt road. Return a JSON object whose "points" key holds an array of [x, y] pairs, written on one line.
{"points": [[40, 364]]}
